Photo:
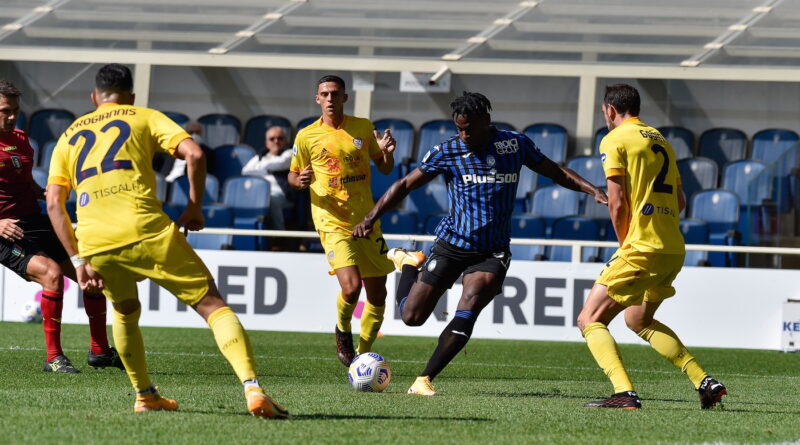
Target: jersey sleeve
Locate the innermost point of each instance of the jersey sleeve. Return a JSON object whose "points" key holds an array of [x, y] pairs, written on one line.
{"points": [[531, 155], [300, 154], [60, 173], [612, 155], [168, 133], [434, 162]]}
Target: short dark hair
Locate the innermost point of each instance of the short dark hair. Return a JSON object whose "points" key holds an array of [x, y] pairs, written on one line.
{"points": [[624, 98], [471, 105], [8, 89], [114, 77], [331, 78]]}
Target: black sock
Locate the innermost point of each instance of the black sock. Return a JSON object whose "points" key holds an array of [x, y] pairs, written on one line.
{"points": [[452, 340], [408, 277]]}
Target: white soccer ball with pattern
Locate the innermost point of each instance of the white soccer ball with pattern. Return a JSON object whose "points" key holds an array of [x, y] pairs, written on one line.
{"points": [[31, 312], [369, 372]]}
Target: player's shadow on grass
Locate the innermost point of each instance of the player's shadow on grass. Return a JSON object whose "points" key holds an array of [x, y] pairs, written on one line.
{"points": [[322, 416]]}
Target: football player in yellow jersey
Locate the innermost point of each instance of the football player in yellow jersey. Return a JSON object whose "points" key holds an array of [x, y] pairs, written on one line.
{"points": [[123, 236], [645, 199], [332, 157]]}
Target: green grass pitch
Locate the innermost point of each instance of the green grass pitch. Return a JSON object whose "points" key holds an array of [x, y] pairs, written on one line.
{"points": [[499, 392]]}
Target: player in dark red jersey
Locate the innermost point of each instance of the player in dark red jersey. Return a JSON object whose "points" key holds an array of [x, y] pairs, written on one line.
{"points": [[29, 247]]}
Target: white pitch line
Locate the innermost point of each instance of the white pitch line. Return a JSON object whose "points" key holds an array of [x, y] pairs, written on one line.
{"points": [[480, 364]]}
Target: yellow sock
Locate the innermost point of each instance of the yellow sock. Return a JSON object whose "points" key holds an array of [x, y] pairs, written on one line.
{"points": [[666, 343], [130, 346], [233, 342], [345, 313], [606, 354], [371, 320]]}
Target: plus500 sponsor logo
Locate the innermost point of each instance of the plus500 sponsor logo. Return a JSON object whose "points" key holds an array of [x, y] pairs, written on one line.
{"points": [[499, 178]]}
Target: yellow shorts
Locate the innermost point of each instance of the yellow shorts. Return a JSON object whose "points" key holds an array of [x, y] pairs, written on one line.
{"points": [[369, 254], [165, 258], [632, 277]]}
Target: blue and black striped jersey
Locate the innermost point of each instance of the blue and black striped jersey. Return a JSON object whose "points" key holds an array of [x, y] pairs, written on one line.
{"points": [[481, 186]]}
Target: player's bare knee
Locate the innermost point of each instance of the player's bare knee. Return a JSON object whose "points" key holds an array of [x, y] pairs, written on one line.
{"points": [[127, 307], [351, 293], [637, 323], [412, 319], [52, 278]]}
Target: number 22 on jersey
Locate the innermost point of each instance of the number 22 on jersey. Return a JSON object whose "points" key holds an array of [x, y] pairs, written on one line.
{"points": [[109, 162]]}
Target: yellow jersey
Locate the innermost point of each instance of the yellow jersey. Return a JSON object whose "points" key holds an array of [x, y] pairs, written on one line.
{"points": [[107, 157], [641, 154], [340, 191]]}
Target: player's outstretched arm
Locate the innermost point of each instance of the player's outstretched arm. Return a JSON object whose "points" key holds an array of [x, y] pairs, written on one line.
{"points": [[192, 217], [567, 178], [391, 199]]}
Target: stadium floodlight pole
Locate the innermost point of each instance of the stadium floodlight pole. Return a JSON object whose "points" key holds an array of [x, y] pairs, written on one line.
{"points": [[438, 75]]}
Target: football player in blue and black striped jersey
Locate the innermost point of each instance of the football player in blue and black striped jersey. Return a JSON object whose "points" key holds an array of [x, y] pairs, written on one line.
{"points": [[481, 167]]}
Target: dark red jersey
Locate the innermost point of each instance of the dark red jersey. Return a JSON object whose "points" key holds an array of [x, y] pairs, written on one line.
{"points": [[17, 198]]}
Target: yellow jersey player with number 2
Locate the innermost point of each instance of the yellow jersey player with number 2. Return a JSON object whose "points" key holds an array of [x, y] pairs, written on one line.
{"points": [[645, 199], [123, 236]]}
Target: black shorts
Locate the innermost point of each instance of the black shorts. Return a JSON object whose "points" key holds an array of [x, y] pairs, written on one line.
{"points": [[39, 236], [447, 262]]}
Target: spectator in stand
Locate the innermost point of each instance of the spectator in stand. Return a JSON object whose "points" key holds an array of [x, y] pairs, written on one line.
{"points": [[178, 168], [272, 163]]}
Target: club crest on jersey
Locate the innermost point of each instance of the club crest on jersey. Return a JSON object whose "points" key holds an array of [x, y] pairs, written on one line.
{"points": [[506, 146], [330, 255], [15, 160], [358, 143], [490, 160], [294, 150], [332, 165], [84, 199]]}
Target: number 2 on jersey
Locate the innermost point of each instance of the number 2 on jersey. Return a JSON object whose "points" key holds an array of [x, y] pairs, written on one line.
{"points": [[658, 185], [108, 163]]}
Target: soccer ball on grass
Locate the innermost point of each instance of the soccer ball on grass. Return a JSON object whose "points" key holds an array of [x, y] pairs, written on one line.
{"points": [[369, 372], [31, 312]]}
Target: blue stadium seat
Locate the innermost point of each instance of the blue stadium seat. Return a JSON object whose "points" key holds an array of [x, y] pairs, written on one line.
{"points": [[434, 133], [697, 174], [598, 137], [36, 151], [216, 215], [229, 160], [173, 212], [428, 199], [574, 228], [590, 167], [248, 198], [528, 226], [220, 129], [594, 210], [723, 145], [719, 208], [39, 176], [400, 222], [551, 140], [752, 181], [609, 234], [48, 124], [380, 182], [179, 193], [47, 153], [179, 118], [504, 126], [256, 128], [781, 149], [681, 139], [161, 187], [769, 145], [306, 122], [403, 133], [525, 188], [695, 231], [21, 121], [553, 202]]}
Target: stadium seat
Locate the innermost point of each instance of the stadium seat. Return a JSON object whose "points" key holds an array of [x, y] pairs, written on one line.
{"points": [[551, 140], [752, 182], [528, 226], [21, 121], [781, 149], [427, 200], [248, 198], [403, 133], [574, 228], [179, 118], [598, 137], [723, 145], [161, 187], [216, 215], [36, 152], [719, 208], [434, 133], [173, 212], [380, 182], [306, 122], [505, 126], [39, 176], [695, 231], [400, 222], [590, 167], [229, 160], [179, 193], [553, 202], [256, 128], [769, 145], [697, 174], [48, 124], [594, 210], [47, 153], [681, 139], [220, 129], [605, 253], [525, 189]]}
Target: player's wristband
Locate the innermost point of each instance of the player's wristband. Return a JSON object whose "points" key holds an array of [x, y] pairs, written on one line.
{"points": [[77, 260]]}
